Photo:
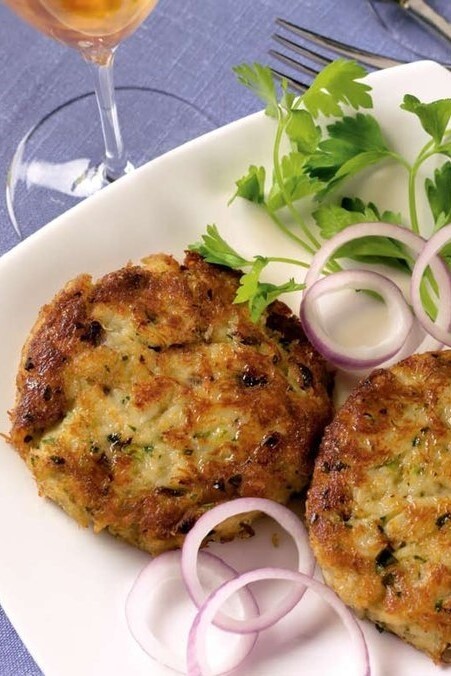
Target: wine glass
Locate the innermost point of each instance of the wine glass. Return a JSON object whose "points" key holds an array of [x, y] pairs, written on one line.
{"points": [[413, 34], [59, 160]]}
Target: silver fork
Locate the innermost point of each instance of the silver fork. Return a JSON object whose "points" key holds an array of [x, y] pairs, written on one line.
{"points": [[369, 59]]}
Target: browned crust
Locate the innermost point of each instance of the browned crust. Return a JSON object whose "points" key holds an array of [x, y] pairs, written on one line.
{"points": [[192, 346], [380, 498]]}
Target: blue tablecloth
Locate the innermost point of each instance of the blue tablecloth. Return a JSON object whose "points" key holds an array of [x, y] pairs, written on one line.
{"points": [[186, 47]]}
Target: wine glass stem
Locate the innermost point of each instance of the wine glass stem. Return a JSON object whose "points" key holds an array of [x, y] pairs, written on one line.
{"points": [[115, 155]]}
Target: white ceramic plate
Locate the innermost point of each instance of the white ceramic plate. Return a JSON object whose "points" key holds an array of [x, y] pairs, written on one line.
{"points": [[64, 588]]}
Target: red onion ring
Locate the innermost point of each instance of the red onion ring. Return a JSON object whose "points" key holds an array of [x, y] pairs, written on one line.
{"points": [[165, 567], [439, 328], [361, 357], [196, 653], [208, 521], [414, 242]]}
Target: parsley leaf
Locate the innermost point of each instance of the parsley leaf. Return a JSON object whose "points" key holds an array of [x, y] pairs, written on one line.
{"points": [[356, 204], [354, 143], [434, 117], [216, 250], [333, 218], [296, 184], [337, 83], [259, 79], [259, 295], [251, 186], [358, 162], [361, 131], [249, 282], [438, 192], [302, 131], [268, 293], [381, 250]]}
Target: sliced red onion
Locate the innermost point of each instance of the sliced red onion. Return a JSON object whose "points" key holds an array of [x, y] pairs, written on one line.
{"points": [[196, 654], [409, 239], [208, 521], [167, 567], [439, 328], [400, 319]]}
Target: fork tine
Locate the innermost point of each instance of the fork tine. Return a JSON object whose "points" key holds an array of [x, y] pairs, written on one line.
{"points": [[361, 55], [300, 49], [295, 84], [297, 65]]}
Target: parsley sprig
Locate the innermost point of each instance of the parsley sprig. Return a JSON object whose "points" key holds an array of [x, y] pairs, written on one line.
{"points": [[311, 160], [257, 294]]}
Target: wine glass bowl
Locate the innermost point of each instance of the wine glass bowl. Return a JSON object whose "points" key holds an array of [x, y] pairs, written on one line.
{"points": [[59, 160], [94, 27]]}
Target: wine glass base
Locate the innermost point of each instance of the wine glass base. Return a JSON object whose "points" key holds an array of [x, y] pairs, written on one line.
{"points": [[59, 161]]}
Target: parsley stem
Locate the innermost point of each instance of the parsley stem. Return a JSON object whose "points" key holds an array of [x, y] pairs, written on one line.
{"points": [[279, 178], [401, 160], [288, 232], [427, 151], [332, 265], [291, 261], [428, 282], [412, 171], [426, 299], [412, 202]]}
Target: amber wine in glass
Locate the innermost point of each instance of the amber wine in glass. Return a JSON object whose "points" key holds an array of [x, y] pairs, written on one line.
{"points": [[94, 28]]}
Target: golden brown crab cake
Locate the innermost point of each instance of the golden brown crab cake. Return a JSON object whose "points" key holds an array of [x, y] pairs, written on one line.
{"points": [[379, 507], [147, 397]]}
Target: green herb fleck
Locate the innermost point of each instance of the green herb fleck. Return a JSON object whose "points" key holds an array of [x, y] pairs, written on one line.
{"points": [[202, 434]]}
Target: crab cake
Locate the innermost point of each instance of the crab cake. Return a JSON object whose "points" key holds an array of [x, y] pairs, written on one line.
{"points": [[379, 508], [147, 397]]}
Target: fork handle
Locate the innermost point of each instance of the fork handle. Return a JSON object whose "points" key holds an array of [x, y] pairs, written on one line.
{"points": [[428, 16]]}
